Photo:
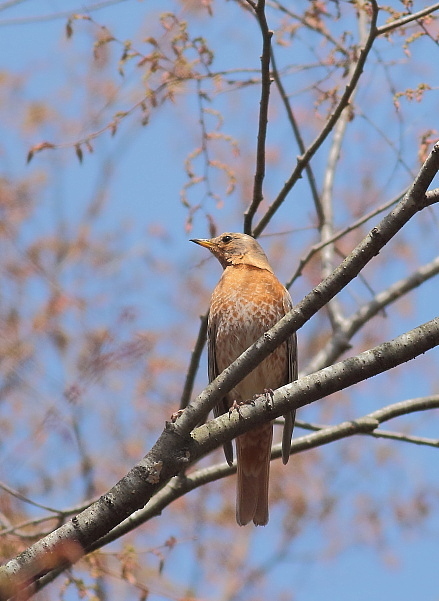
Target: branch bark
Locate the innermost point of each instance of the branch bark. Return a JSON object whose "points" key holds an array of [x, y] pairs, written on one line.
{"points": [[67, 544], [407, 19], [339, 343], [182, 484], [258, 196], [194, 363], [304, 159]]}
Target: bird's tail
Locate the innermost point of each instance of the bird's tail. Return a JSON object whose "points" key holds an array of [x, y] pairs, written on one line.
{"points": [[253, 451]]}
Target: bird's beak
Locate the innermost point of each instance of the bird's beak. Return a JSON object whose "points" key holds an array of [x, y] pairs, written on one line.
{"points": [[203, 242]]}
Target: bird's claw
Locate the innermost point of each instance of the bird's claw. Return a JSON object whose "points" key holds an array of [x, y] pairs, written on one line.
{"points": [[269, 394], [268, 397], [176, 415], [236, 406]]}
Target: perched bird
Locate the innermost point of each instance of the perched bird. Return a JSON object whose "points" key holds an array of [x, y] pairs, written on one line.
{"points": [[247, 301]]}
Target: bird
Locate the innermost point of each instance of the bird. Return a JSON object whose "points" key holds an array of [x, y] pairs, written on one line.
{"points": [[247, 301]]}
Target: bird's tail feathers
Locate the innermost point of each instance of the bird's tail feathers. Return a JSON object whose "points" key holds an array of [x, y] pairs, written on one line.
{"points": [[253, 451]]}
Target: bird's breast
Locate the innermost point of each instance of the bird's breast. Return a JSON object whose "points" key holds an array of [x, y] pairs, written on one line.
{"points": [[246, 303]]}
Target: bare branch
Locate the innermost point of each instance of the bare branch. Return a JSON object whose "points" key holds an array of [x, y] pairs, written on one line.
{"points": [[339, 343], [55, 15], [25, 499], [180, 485], [298, 137], [9, 3], [418, 440], [308, 23], [407, 19], [314, 249], [414, 201], [194, 363], [263, 117], [173, 450], [304, 159], [325, 434], [328, 255]]}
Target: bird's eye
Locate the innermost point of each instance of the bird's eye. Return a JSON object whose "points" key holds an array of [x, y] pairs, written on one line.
{"points": [[226, 239]]}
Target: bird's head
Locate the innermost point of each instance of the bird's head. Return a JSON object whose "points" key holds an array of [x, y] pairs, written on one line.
{"points": [[236, 249]]}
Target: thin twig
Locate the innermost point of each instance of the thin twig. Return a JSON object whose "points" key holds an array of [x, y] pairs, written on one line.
{"points": [[314, 249], [194, 363], [340, 343], [263, 117], [17, 530], [56, 15], [304, 159], [9, 3], [300, 143], [309, 24], [21, 497], [417, 440], [408, 19], [59, 515]]}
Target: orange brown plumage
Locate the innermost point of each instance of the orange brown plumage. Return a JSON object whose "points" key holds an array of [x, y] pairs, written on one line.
{"points": [[247, 301]]}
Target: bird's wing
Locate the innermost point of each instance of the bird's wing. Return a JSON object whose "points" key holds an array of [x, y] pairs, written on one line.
{"points": [[290, 417], [213, 372]]}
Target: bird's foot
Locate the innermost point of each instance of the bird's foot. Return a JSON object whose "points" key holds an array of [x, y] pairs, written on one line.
{"points": [[236, 406], [267, 397], [176, 415], [269, 394]]}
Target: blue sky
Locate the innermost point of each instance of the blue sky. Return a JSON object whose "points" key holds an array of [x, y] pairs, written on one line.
{"points": [[142, 195]]}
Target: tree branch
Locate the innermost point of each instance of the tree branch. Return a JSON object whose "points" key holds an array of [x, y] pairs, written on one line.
{"points": [[316, 247], [194, 363], [263, 117], [306, 22], [339, 343], [54, 15], [363, 253], [182, 484], [328, 254], [172, 451], [407, 19], [304, 159], [298, 137]]}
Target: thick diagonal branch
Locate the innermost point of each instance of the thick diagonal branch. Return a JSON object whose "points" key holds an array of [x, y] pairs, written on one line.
{"points": [[339, 343], [367, 424], [414, 201], [67, 544]]}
